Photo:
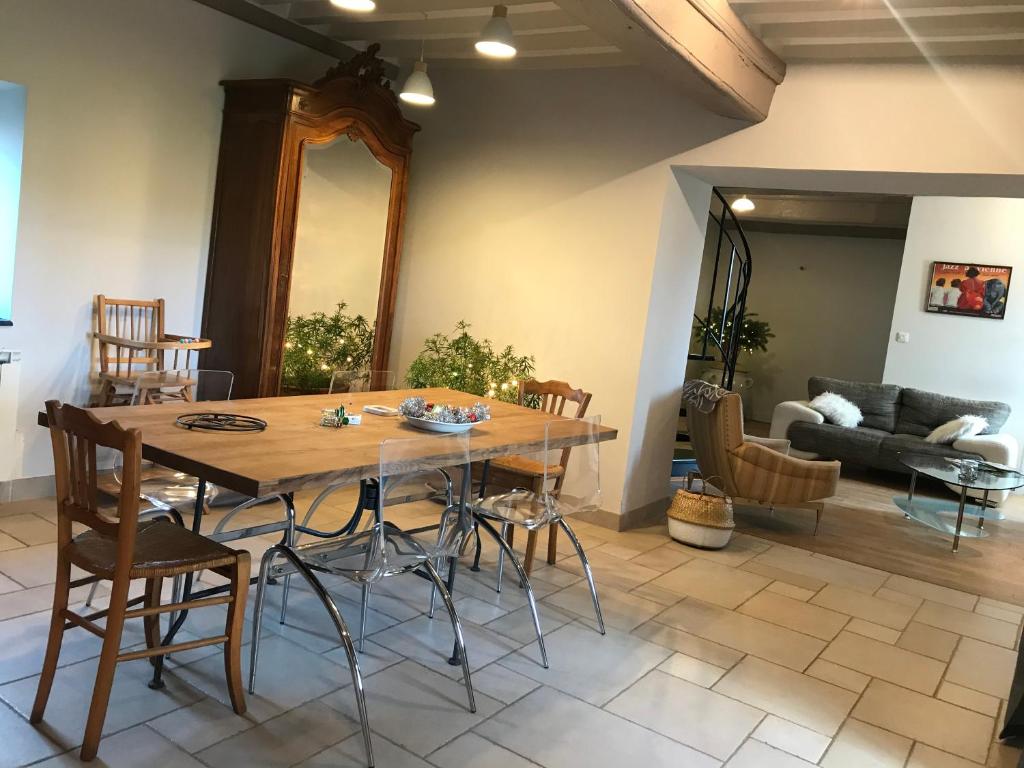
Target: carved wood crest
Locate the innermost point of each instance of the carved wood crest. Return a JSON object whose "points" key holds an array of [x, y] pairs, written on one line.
{"points": [[366, 68]]}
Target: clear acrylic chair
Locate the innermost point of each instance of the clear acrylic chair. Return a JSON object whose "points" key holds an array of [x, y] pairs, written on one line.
{"points": [[361, 381], [379, 551], [533, 510]]}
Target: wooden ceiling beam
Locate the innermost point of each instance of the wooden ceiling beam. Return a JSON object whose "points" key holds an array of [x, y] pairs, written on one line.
{"points": [[549, 43], [748, 8], [1009, 45], [375, 28], [322, 12], [860, 23]]}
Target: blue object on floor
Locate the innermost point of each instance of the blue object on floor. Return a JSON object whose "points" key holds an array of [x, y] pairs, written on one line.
{"points": [[681, 466]]}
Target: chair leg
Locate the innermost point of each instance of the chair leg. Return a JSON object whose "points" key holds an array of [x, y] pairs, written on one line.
{"points": [[586, 570], [552, 544], [257, 614], [506, 536], [105, 671], [457, 628], [531, 550], [363, 605], [92, 594], [819, 508], [152, 623], [234, 630], [525, 581], [61, 591]]}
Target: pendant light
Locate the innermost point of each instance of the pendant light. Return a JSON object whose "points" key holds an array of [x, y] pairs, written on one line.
{"points": [[418, 89], [742, 205], [496, 39], [359, 6]]}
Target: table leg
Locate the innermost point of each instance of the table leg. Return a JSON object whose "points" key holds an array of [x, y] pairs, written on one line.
{"points": [[910, 495], [464, 494], [960, 517], [476, 526], [186, 592], [984, 506]]}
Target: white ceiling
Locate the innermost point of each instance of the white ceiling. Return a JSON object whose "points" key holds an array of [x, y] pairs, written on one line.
{"points": [[546, 35], [848, 30]]}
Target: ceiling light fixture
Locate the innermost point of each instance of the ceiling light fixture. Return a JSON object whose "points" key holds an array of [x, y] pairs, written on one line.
{"points": [[496, 39], [742, 205], [418, 89], [359, 6]]}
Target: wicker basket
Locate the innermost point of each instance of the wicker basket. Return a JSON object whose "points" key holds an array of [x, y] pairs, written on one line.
{"points": [[700, 519]]}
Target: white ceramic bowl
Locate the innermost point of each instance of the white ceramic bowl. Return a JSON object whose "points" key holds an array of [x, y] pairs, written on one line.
{"points": [[440, 426]]}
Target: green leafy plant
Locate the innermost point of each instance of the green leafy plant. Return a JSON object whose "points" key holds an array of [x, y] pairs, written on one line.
{"points": [[459, 361], [754, 335], [318, 344]]}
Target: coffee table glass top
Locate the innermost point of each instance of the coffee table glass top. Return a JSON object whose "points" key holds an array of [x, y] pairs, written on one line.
{"points": [[948, 471]]}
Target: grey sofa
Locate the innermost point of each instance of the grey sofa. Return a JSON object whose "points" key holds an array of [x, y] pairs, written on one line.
{"points": [[896, 420]]}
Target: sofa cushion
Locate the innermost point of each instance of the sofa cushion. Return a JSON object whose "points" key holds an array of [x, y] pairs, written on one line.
{"points": [[858, 445], [878, 402], [921, 412], [894, 445]]}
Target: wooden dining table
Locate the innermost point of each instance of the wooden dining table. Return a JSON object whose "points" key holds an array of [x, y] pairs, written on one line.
{"points": [[295, 453]]}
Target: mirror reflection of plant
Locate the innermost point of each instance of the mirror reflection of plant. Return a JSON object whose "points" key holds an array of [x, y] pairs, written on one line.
{"points": [[754, 335], [460, 361], [318, 344]]}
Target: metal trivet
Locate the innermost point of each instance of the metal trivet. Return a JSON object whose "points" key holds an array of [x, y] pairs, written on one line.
{"points": [[221, 422]]}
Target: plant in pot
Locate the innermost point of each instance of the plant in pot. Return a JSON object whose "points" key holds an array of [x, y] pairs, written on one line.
{"points": [[460, 361], [318, 344]]}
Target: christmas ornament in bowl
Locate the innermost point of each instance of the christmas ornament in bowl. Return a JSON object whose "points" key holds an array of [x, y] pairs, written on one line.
{"points": [[441, 417]]}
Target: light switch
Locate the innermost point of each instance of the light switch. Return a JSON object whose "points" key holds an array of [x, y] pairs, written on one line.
{"points": [[902, 337]]}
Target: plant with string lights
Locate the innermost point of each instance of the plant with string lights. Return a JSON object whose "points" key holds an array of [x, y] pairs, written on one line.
{"points": [[754, 335], [459, 361], [318, 344]]}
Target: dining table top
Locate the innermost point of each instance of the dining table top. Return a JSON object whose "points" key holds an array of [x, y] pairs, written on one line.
{"points": [[294, 452]]}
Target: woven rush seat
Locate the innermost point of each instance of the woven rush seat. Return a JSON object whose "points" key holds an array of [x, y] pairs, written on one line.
{"points": [[161, 549], [522, 465]]}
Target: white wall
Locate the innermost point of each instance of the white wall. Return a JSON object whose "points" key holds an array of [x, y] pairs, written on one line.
{"points": [[12, 134], [121, 138], [961, 356], [829, 301]]}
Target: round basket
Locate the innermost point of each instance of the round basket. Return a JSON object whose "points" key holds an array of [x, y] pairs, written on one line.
{"points": [[701, 519]]}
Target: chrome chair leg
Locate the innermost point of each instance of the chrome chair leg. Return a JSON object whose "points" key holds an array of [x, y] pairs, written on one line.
{"points": [[525, 581], [440, 539], [501, 556], [289, 541], [339, 624], [457, 627], [363, 605], [586, 570]]}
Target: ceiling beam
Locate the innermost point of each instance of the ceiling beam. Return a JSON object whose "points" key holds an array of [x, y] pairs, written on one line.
{"points": [[322, 12], [747, 8], [701, 45], [860, 23], [377, 28], [550, 42], [1008, 44]]}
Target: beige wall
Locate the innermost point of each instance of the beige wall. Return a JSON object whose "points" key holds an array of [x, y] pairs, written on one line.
{"points": [[121, 138], [962, 356]]}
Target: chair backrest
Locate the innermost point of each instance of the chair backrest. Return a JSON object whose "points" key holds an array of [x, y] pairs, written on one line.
{"points": [[194, 385], [553, 396], [361, 381], [134, 319], [582, 480], [75, 434], [713, 435]]}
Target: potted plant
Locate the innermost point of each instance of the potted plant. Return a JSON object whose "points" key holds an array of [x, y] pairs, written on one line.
{"points": [[318, 344]]}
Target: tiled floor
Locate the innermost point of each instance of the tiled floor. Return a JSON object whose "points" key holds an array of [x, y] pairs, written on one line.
{"points": [[758, 656]]}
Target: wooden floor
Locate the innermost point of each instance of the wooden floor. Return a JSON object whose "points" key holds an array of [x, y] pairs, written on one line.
{"points": [[861, 524]]}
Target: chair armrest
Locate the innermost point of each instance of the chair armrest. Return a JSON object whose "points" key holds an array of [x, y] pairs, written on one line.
{"points": [[769, 476], [780, 445], [1001, 448], [790, 412]]}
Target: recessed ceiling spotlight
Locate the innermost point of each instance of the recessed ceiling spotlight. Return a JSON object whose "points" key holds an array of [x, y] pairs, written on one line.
{"points": [[496, 39], [742, 205], [359, 6]]}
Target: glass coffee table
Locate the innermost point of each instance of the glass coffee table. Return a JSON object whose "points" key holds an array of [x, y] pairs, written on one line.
{"points": [[938, 514]]}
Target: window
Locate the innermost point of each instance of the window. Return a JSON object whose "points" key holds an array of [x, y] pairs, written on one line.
{"points": [[12, 135]]}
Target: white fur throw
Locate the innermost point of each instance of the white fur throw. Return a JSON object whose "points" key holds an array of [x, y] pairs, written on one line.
{"points": [[951, 431], [837, 409]]}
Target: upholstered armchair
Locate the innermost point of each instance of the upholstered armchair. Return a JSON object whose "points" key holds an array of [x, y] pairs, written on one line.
{"points": [[755, 471]]}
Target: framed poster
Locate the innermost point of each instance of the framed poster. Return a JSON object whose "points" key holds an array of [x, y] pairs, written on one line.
{"points": [[972, 290]]}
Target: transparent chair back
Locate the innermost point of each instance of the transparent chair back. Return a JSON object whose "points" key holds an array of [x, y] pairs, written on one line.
{"points": [[362, 381]]}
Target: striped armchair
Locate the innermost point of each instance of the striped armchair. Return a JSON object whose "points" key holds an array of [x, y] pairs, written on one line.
{"points": [[752, 472]]}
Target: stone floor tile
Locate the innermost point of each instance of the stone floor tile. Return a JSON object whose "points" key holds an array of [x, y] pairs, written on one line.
{"points": [[23, 640], [744, 633], [622, 610], [663, 558], [694, 670], [863, 606], [138, 746], [741, 549], [967, 623], [982, 667], [969, 699], [922, 718], [791, 590], [924, 756], [9, 542], [29, 529], [860, 745], [713, 583], [928, 641], [502, 684], [757, 754], [351, 753], [899, 597], [803, 581], [872, 630], [881, 660], [836, 572], [472, 751], [997, 613], [200, 725], [1008, 607], [611, 571], [691, 645], [792, 738], [932, 592], [795, 614], [517, 625], [799, 698], [837, 675], [22, 743], [569, 733]]}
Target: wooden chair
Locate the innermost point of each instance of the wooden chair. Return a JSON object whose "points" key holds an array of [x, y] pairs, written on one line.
{"points": [[524, 472], [121, 549], [131, 339]]}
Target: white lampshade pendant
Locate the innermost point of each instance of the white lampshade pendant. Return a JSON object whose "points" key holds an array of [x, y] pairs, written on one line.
{"points": [[418, 89], [497, 40], [359, 6], [742, 205]]}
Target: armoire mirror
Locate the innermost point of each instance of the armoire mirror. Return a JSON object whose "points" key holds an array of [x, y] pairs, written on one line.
{"points": [[309, 211]]}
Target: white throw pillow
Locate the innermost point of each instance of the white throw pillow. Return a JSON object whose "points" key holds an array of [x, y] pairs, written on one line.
{"points": [[837, 409], [951, 431]]}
